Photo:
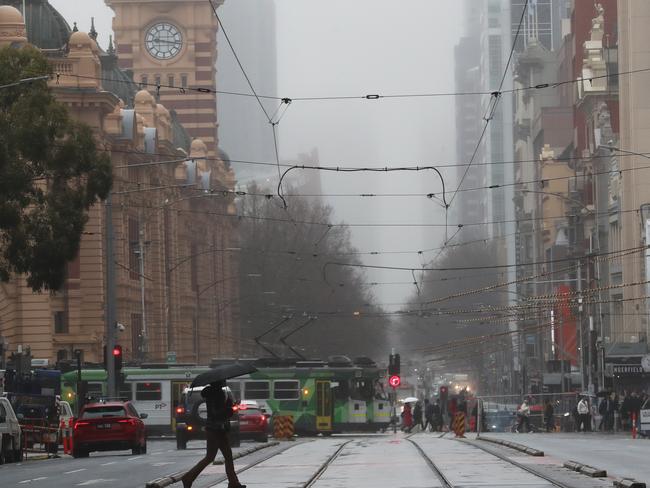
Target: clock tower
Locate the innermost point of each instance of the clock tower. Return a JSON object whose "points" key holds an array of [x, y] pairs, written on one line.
{"points": [[173, 43]]}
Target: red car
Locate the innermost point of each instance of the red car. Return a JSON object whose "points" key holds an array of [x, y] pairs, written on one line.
{"points": [[253, 423], [109, 426]]}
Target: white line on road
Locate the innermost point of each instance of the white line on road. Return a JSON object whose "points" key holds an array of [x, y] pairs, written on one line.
{"points": [[157, 465], [134, 458], [75, 471], [35, 479], [108, 464], [94, 482]]}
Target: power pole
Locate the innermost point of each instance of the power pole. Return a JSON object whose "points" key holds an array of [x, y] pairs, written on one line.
{"points": [[111, 314], [580, 328], [143, 330]]}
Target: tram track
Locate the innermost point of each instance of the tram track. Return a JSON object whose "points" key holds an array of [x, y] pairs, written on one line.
{"points": [[439, 474], [447, 484], [312, 481]]}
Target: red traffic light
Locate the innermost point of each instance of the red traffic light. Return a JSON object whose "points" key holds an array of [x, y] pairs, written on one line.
{"points": [[394, 381], [117, 351], [443, 390]]}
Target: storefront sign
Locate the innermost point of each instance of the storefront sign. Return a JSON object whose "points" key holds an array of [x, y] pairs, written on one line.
{"points": [[628, 369]]}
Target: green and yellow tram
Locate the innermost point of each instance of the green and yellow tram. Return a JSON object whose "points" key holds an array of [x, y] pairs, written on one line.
{"points": [[322, 397]]}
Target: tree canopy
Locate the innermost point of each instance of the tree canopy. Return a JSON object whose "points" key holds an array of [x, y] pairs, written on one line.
{"points": [[51, 173], [282, 264]]}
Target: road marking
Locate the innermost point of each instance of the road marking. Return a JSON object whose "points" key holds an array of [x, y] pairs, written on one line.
{"points": [[108, 464], [134, 458], [94, 482], [75, 471], [165, 463], [35, 479]]}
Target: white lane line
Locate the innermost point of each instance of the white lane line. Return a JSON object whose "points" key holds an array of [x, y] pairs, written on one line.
{"points": [[95, 482], [35, 479], [167, 463], [134, 458], [108, 464], [75, 471]]}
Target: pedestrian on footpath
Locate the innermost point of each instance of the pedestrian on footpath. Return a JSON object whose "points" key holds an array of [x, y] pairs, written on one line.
{"points": [[219, 410], [428, 415], [417, 415], [584, 424], [407, 418], [523, 415], [549, 416], [437, 417]]}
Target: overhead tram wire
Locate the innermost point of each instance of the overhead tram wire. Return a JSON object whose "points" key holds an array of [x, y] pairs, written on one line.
{"points": [[205, 90], [497, 96]]}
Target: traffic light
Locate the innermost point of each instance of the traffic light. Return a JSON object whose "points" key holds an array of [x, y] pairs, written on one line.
{"points": [[394, 381], [117, 357], [393, 365]]}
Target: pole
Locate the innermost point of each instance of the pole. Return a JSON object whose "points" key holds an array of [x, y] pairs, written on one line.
{"points": [[111, 315], [143, 331], [580, 331]]}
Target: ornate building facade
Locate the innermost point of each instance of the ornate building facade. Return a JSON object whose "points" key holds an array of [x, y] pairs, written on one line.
{"points": [[175, 234], [171, 43]]}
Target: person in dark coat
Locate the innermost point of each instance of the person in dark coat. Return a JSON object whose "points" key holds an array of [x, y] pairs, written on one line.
{"points": [[437, 417], [219, 410], [417, 415], [428, 415]]}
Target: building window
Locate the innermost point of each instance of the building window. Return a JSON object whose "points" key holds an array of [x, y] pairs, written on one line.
{"points": [[148, 392], [170, 80], [61, 355], [157, 80], [60, 323], [144, 79], [184, 81]]}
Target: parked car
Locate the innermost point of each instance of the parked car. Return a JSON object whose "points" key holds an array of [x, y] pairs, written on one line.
{"points": [[191, 416], [253, 423], [10, 434], [109, 426]]}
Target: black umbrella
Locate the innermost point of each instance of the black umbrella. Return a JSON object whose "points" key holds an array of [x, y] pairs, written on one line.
{"points": [[222, 373]]}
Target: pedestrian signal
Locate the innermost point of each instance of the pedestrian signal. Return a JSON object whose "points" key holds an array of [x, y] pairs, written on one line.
{"points": [[394, 381]]}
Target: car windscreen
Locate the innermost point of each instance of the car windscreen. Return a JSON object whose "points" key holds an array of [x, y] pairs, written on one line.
{"points": [[104, 412]]}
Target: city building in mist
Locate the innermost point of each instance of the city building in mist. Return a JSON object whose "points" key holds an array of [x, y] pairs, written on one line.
{"points": [[244, 133]]}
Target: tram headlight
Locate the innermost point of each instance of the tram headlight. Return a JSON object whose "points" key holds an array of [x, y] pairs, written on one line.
{"points": [[305, 392]]}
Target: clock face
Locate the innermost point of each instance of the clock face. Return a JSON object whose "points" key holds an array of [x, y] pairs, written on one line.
{"points": [[163, 40]]}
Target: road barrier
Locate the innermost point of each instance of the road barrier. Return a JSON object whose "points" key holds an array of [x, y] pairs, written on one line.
{"points": [[283, 427], [459, 424], [47, 438]]}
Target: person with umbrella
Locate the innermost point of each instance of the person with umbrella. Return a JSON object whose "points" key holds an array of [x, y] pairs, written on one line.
{"points": [[219, 410]]}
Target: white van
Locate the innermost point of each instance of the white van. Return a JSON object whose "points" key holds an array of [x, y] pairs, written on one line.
{"points": [[10, 434]]}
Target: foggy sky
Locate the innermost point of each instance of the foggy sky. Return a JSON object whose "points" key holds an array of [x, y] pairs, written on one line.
{"points": [[343, 47]]}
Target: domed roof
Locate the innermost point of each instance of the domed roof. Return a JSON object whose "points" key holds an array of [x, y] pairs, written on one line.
{"points": [[80, 39], [198, 146], [223, 155], [46, 27], [143, 96], [10, 15], [161, 110]]}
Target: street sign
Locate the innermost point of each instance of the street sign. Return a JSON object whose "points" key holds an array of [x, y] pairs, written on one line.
{"points": [[644, 417], [171, 357], [394, 381]]}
